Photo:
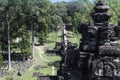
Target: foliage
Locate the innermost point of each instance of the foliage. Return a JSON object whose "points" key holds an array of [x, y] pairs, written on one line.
{"points": [[25, 15], [24, 45], [1, 60], [75, 11]]}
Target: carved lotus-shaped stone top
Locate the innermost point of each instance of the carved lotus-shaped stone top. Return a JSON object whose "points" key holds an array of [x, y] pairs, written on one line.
{"points": [[101, 7], [100, 14]]}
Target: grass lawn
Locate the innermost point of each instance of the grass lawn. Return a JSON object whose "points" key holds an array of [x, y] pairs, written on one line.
{"points": [[53, 61], [56, 37], [27, 75], [52, 38]]}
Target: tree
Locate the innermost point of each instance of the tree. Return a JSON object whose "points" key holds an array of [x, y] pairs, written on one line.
{"points": [[24, 45], [8, 36], [1, 60]]}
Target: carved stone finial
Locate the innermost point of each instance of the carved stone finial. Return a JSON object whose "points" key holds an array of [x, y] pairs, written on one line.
{"points": [[100, 14]]}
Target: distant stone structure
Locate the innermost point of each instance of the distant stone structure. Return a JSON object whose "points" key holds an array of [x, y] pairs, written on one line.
{"points": [[98, 56]]}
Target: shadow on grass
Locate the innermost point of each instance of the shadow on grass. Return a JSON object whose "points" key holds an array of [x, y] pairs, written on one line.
{"points": [[49, 41], [56, 64]]}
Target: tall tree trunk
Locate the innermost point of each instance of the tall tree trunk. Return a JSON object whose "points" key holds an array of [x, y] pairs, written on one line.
{"points": [[2, 44], [2, 48], [33, 34], [8, 35]]}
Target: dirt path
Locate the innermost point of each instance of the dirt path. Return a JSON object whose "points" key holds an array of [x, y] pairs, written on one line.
{"points": [[53, 70], [40, 52]]}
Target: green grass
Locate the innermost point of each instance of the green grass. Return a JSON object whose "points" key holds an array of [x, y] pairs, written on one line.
{"points": [[53, 37], [46, 71], [52, 58], [28, 75]]}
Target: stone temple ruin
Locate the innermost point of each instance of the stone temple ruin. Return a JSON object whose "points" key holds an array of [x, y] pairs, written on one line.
{"points": [[98, 56]]}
